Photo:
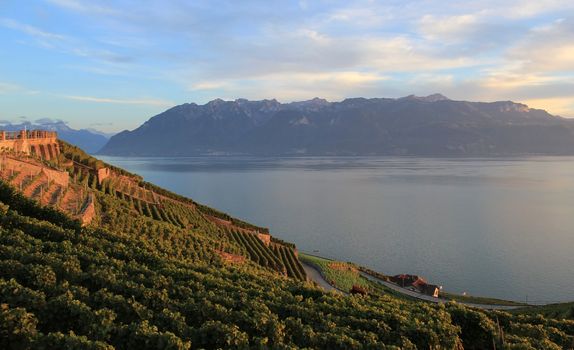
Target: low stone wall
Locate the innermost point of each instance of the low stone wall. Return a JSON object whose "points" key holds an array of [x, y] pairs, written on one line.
{"points": [[265, 238], [89, 212], [103, 174], [10, 164], [60, 177], [230, 258]]}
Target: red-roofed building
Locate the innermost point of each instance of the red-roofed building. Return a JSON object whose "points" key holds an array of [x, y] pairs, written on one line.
{"points": [[416, 282]]}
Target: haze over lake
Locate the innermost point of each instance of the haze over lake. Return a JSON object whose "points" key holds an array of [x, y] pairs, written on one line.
{"points": [[494, 227]]}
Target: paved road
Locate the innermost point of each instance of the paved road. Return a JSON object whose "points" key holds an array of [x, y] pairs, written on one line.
{"points": [[314, 275], [432, 299]]}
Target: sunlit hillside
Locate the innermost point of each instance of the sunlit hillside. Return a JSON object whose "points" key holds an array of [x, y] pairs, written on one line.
{"points": [[153, 270]]}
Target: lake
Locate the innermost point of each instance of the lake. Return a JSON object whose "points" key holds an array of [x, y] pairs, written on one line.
{"points": [[501, 227]]}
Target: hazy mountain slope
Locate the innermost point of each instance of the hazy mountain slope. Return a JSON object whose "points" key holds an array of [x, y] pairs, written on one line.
{"points": [[193, 129], [427, 126], [89, 140]]}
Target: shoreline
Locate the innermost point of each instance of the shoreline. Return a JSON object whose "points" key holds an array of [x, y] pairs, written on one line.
{"points": [[504, 305]]}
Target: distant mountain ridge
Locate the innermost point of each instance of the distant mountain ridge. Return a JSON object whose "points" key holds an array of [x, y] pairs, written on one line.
{"points": [[420, 126], [88, 139]]}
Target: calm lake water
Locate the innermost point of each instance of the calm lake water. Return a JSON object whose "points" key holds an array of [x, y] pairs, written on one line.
{"points": [[494, 227]]}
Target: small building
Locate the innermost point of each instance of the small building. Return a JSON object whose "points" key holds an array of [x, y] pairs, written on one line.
{"points": [[417, 284], [431, 289], [41, 143], [405, 280]]}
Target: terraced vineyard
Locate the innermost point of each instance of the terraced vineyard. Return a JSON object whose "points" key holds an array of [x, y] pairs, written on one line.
{"points": [[291, 262], [149, 201], [150, 272], [130, 281], [256, 250], [34, 182], [164, 209]]}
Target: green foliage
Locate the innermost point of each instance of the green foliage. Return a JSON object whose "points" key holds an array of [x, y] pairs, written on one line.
{"points": [[69, 341], [340, 275], [479, 300], [257, 251], [292, 264], [478, 330], [558, 311], [76, 154], [17, 201], [147, 274], [282, 242], [17, 328]]}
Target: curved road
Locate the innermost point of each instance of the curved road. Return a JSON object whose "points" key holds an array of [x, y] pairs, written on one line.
{"points": [[433, 299], [315, 275]]}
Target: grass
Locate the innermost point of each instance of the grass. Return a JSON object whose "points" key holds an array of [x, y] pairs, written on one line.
{"points": [[558, 311], [339, 274], [380, 289], [479, 300], [344, 275], [452, 296]]}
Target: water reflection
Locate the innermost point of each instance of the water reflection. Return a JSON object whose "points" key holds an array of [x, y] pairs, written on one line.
{"points": [[500, 227]]}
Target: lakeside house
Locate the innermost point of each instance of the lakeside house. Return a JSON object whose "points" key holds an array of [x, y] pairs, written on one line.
{"points": [[416, 283]]}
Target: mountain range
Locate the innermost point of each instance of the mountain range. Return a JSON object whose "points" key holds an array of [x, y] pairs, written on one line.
{"points": [[90, 140], [420, 126]]}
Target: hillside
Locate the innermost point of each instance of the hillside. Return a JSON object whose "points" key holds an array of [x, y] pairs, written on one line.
{"points": [[154, 270], [419, 126]]}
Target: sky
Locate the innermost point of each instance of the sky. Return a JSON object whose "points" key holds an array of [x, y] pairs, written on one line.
{"points": [[111, 65]]}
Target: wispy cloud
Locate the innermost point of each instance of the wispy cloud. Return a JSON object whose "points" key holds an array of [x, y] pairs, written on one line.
{"points": [[87, 7], [66, 43], [7, 87], [196, 51], [30, 30], [140, 101], [563, 106], [49, 121]]}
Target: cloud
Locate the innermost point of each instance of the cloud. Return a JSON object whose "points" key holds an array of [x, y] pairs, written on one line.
{"points": [[104, 55], [515, 78], [8, 87], [288, 86], [441, 27], [487, 50], [143, 101], [563, 106], [30, 30], [208, 85], [525, 9], [101, 124], [87, 7], [66, 44], [360, 16], [545, 49], [44, 121]]}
